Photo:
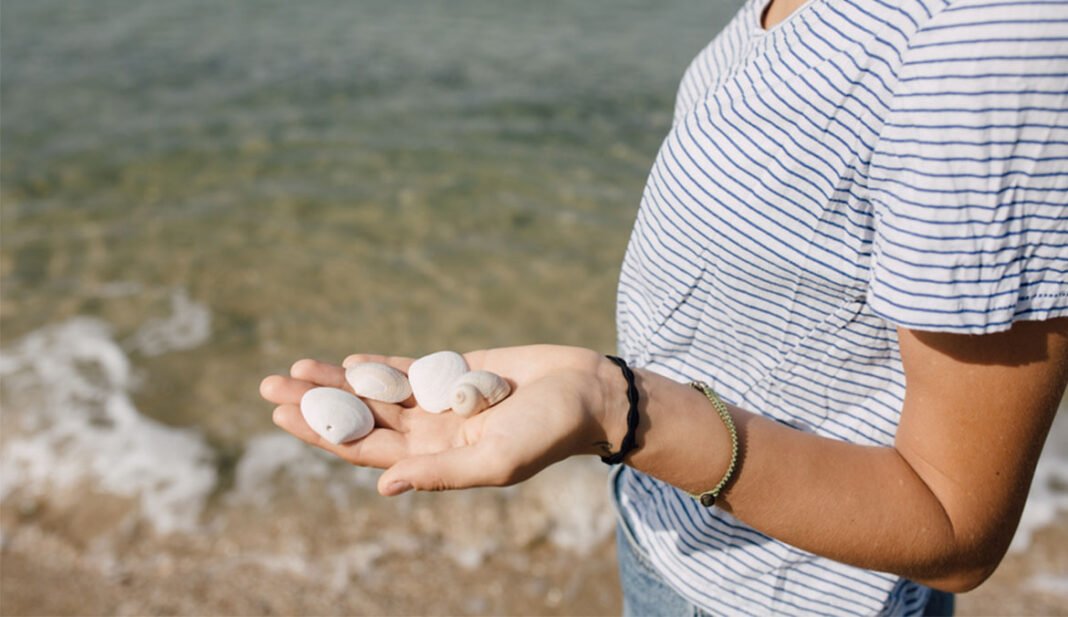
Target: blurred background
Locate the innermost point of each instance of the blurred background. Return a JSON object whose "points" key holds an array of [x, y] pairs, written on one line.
{"points": [[195, 194]]}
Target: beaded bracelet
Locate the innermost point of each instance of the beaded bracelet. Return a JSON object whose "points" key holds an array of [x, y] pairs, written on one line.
{"points": [[708, 498], [630, 439]]}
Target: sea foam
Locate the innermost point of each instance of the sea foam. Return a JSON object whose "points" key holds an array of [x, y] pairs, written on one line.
{"points": [[67, 387], [188, 326], [66, 393]]}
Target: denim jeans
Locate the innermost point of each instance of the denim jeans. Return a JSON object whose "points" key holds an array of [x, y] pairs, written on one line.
{"points": [[645, 594]]}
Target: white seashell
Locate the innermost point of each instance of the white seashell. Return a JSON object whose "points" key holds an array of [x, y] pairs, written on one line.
{"points": [[432, 377], [477, 390], [378, 381], [336, 415]]}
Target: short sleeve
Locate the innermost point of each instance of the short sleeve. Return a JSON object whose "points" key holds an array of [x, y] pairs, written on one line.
{"points": [[969, 176]]}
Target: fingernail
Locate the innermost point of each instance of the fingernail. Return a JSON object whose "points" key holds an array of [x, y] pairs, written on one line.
{"points": [[398, 486]]}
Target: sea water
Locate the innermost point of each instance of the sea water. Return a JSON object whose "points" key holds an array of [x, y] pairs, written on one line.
{"points": [[195, 194]]}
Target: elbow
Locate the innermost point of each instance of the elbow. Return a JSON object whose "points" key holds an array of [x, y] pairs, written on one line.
{"points": [[963, 571], [961, 580]]}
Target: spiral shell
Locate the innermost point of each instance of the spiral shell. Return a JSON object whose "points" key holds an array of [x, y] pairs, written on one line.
{"points": [[432, 377], [475, 391], [378, 381], [336, 415]]}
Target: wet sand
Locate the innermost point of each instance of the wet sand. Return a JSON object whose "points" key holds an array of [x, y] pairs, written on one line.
{"points": [[43, 575], [48, 570]]}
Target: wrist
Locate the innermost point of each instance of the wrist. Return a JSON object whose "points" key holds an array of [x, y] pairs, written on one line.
{"points": [[611, 407]]}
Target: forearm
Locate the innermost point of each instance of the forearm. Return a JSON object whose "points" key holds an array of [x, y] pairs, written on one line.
{"points": [[856, 504]]}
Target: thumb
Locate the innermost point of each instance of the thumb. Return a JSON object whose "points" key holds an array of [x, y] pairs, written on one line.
{"points": [[464, 467]]}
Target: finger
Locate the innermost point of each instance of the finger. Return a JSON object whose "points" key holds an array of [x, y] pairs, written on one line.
{"points": [[381, 447], [280, 390], [400, 363], [321, 373], [464, 467], [476, 359], [333, 376]]}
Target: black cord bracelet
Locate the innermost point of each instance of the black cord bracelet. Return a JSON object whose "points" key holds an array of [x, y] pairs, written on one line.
{"points": [[630, 439]]}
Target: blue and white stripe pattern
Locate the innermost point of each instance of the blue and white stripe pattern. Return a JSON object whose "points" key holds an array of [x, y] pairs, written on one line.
{"points": [[865, 164]]}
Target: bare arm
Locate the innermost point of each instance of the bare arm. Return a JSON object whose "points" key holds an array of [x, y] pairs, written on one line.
{"points": [[940, 507]]}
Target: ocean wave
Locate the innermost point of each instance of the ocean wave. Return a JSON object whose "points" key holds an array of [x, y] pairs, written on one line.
{"points": [[67, 386]]}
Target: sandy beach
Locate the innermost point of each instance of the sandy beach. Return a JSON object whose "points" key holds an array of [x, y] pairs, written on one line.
{"points": [[47, 572]]}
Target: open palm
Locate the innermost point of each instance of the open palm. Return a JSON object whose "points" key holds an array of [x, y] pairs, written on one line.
{"points": [[550, 415]]}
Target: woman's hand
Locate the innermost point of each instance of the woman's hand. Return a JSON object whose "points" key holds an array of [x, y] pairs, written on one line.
{"points": [[555, 411]]}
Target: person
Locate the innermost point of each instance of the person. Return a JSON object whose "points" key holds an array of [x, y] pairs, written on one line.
{"points": [[855, 234]]}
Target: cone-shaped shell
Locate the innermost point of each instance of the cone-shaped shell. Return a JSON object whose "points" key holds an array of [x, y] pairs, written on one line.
{"points": [[432, 377], [378, 381], [474, 391], [336, 415]]}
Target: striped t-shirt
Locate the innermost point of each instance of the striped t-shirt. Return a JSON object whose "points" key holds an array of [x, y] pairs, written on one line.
{"points": [[863, 165]]}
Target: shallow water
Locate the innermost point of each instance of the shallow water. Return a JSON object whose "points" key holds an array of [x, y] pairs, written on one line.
{"points": [[195, 194], [326, 177]]}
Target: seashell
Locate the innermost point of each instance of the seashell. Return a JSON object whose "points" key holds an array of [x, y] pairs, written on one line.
{"points": [[336, 415], [477, 390], [378, 381], [432, 377]]}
